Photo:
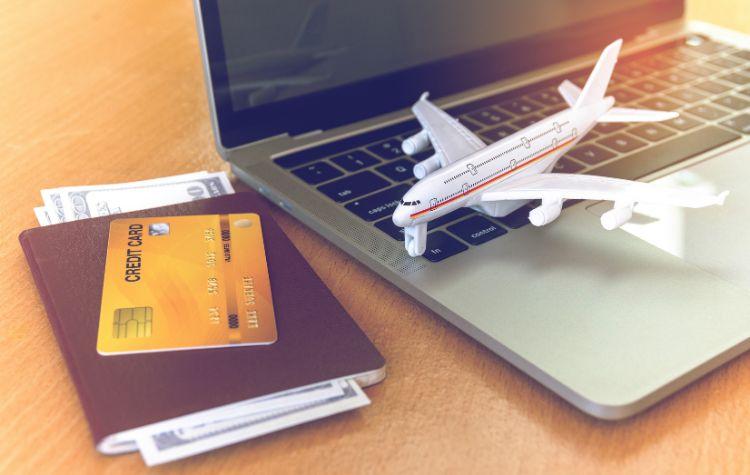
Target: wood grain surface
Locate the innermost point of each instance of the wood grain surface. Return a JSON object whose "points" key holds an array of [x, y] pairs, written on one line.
{"points": [[108, 91]]}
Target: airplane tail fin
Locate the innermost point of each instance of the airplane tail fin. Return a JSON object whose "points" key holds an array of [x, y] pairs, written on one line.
{"points": [[596, 85]]}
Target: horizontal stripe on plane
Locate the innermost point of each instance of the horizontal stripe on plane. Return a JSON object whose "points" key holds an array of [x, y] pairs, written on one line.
{"points": [[472, 190]]}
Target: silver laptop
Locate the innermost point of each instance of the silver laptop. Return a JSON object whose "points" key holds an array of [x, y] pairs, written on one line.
{"points": [[310, 102]]}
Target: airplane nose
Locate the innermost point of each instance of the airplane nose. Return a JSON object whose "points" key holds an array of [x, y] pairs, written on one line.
{"points": [[401, 217]]}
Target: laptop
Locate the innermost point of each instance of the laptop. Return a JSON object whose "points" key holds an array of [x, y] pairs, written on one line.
{"points": [[310, 102]]}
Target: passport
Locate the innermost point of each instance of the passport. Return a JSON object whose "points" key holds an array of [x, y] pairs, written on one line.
{"points": [[317, 340]]}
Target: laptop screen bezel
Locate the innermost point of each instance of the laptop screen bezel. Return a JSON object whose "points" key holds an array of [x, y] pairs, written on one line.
{"points": [[375, 96]]}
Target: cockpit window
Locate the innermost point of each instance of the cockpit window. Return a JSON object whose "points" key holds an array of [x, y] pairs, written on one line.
{"points": [[410, 203]]}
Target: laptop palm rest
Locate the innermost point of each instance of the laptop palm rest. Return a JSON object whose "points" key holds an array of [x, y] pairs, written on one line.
{"points": [[607, 320]]}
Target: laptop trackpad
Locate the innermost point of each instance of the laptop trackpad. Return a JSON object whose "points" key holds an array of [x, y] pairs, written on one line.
{"points": [[713, 239]]}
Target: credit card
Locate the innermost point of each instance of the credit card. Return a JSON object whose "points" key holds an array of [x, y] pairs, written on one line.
{"points": [[185, 282]]}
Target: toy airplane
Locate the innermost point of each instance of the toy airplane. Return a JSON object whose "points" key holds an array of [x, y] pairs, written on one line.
{"points": [[499, 178]]}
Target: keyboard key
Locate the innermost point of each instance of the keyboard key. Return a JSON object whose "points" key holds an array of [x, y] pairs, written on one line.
{"points": [[669, 152], [625, 95], [722, 62], [378, 205], [353, 186], [617, 79], [498, 133], [424, 154], [680, 55], [622, 143], [686, 95], [555, 109], [566, 165], [549, 97], [712, 87], [450, 217], [408, 134], [704, 46], [441, 246], [469, 124], [476, 230], [386, 225], [387, 149], [590, 135], [517, 219], [489, 116], [632, 71], [355, 160], [312, 154], [651, 132], [732, 102], [398, 170], [699, 70], [520, 106], [609, 127], [659, 103], [742, 54], [676, 77], [682, 123], [740, 123], [527, 121], [317, 173], [591, 154], [707, 112], [736, 78], [580, 81], [654, 63], [649, 86]]}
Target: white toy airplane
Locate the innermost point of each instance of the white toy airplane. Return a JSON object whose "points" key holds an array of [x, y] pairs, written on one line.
{"points": [[499, 178]]}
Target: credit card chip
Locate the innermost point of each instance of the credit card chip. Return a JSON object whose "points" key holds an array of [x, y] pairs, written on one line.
{"points": [[132, 322]]}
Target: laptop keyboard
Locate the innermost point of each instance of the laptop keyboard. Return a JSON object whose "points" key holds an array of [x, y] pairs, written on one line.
{"points": [[707, 82]]}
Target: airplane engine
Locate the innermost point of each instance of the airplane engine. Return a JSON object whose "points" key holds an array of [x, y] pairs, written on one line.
{"points": [[546, 213], [427, 166], [617, 216], [416, 143]]}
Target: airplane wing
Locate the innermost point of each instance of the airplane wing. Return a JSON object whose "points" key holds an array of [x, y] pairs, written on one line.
{"points": [[624, 114], [451, 140], [558, 186]]}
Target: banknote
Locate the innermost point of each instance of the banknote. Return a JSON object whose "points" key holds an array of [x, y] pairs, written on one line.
{"points": [[54, 206], [93, 201], [169, 444], [42, 216], [81, 202]]}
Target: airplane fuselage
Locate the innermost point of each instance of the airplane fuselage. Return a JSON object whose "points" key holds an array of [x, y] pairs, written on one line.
{"points": [[532, 150]]}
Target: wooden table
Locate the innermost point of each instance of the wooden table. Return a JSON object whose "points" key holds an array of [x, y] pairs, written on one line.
{"points": [[109, 91]]}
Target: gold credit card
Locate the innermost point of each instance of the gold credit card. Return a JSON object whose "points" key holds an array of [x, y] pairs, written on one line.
{"points": [[185, 282]]}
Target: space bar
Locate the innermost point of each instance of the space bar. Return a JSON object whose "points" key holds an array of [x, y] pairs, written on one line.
{"points": [[650, 160]]}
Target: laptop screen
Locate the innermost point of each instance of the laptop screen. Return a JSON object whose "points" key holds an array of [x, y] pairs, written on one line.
{"points": [[292, 66]]}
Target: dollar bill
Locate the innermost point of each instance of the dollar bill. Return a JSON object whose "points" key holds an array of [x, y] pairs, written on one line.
{"points": [[94, 201], [42, 216], [169, 444], [54, 206], [81, 202]]}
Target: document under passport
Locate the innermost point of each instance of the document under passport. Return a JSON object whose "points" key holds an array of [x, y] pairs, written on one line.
{"points": [[203, 334]]}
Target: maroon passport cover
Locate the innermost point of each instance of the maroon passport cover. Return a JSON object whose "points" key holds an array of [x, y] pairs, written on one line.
{"points": [[318, 340]]}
